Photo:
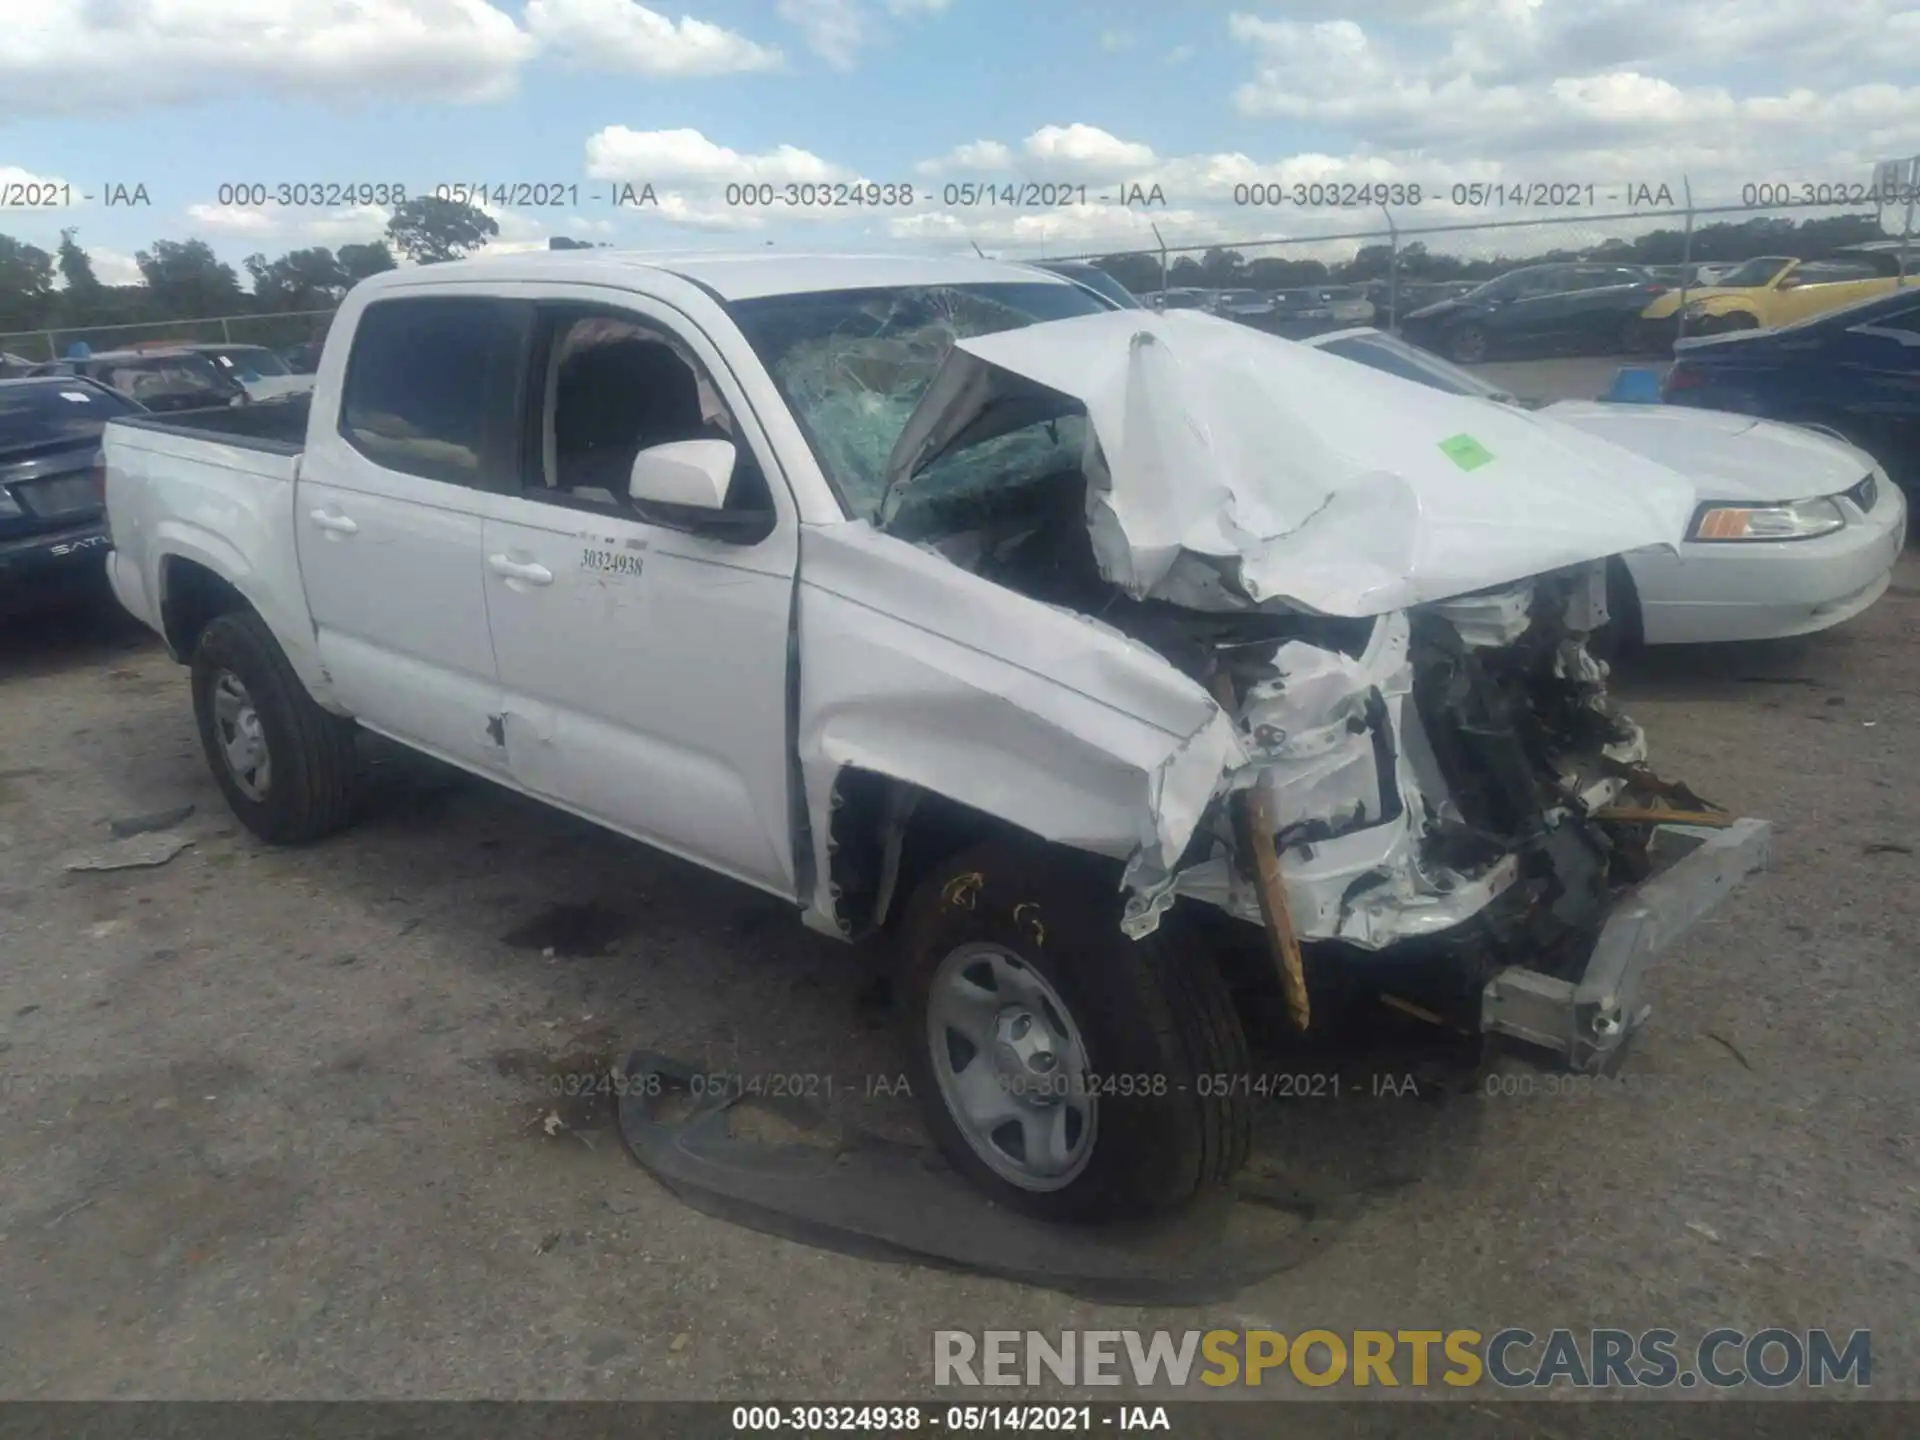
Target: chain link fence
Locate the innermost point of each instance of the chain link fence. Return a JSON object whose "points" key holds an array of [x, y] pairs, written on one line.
{"points": [[275, 331], [1403, 257], [1400, 255]]}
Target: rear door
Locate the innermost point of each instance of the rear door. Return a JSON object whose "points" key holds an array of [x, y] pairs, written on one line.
{"points": [[1588, 303], [645, 667], [389, 518], [1536, 313]]}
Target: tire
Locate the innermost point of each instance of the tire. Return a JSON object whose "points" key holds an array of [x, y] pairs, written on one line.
{"points": [[305, 791], [1621, 634], [1164, 1119], [1467, 344]]}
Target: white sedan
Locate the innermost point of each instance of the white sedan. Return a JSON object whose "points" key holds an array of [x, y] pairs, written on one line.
{"points": [[1796, 530]]}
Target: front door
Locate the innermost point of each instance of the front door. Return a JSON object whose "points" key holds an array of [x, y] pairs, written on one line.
{"points": [[389, 520], [645, 669]]}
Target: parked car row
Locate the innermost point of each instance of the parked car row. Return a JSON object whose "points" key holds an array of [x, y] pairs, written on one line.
{"points": [[53, 531], [1773, 290], [1294, 313], [1794, 530], [1540, 309], [1629, 309]]}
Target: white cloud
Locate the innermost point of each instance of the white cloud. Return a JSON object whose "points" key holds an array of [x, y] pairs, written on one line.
{"points": [[1084, 152], [61, 57], [982, 156], [1117, 39], [689, 160], [691, 174], [621, 35], [24, 190], [835, 30], [838, 30], [1180, 54], [111, 267], [708, 215], [1603, 91], [291, 227]]}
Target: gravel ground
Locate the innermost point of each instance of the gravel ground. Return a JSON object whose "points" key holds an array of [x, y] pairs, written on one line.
{"points": [[273, 1122]]}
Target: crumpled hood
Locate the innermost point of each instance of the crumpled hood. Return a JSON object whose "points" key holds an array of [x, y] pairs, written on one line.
{"points": [[1232, 467], [1727, 456]]}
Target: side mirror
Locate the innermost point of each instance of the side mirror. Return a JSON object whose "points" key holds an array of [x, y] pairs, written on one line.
{"points": [[687, 474], [684, 484]]}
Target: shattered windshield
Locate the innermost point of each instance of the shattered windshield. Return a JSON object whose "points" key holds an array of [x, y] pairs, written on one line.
{"points": [[853, 364]]}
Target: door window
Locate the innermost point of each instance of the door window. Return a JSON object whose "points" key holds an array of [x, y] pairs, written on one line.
{"points": [[427, 383], [612, 385]]}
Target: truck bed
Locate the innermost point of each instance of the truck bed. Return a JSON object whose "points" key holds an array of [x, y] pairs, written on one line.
{"points": [[277, 426]]}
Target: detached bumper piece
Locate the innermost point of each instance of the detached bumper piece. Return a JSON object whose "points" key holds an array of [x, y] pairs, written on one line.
{"points": [[1587, 1021]]}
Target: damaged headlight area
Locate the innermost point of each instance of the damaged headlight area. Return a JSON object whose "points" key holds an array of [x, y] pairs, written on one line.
{"points": [[1461, 764]]}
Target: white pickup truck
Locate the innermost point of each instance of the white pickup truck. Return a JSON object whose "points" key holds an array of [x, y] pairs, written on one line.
{"points": [[1141, 672]]}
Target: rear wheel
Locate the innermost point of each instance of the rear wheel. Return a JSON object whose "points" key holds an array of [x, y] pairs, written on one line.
{"points": [[286, 766], [1069, 1072]]}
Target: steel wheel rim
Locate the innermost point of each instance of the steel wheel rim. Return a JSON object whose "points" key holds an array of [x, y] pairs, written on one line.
{"points": [[1012, 1067], [242, 741]]}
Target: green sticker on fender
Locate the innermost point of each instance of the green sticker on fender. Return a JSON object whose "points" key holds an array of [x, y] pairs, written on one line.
{"points": [[1465, 451]]}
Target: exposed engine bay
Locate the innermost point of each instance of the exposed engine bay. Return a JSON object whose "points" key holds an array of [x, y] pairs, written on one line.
{"points": [[1425, 767]]}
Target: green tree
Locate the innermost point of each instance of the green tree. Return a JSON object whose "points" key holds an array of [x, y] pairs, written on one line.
{"points": [[428, 229], [299, 280], [76, 266], [1270, 272], [360, 261], [1220, 268], [26, 278], [186, 279], [1139, 271]]}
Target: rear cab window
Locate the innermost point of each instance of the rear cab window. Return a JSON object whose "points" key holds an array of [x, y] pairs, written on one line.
{"points": [[431, 386]]}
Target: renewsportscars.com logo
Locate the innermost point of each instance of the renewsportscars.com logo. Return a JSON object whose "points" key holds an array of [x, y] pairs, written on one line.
{"points": [[1512, 1359]]}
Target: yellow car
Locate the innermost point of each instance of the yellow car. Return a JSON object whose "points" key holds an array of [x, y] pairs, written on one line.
{"points": [[1774, 290]]}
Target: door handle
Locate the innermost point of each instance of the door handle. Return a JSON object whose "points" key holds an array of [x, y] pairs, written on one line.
{"points": [[335, 524], [518, 570]]}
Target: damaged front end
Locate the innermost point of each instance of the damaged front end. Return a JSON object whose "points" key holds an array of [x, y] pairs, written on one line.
{"points": [[1386, 591], [1455, 789]]}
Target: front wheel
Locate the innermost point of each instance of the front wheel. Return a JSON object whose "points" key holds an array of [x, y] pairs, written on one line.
{"points": [[286, 766], [1621, 635], [1069, 1072], [1468, 344]]}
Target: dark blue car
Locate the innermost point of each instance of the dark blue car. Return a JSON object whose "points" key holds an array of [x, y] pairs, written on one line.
{"points": [[1855, 370]]}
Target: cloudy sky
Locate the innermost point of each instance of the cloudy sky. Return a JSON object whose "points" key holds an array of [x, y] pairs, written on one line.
{"points": [[580, 96]]}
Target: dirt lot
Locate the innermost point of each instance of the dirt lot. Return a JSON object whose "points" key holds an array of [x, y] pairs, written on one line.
{"points": [[273, 1122]]}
